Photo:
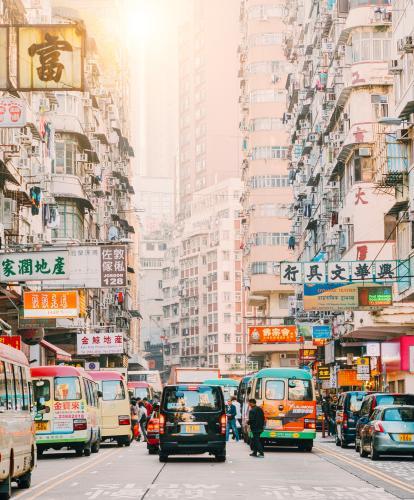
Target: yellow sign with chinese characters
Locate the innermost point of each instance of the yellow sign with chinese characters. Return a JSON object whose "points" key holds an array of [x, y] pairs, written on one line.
{"points": [[50, 57], [272, 334], [56, 304]]}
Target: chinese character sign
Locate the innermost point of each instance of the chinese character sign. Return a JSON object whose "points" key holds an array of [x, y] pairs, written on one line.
{"points": [[11, 340], [50, 57], [100, 343], [34, 266], [113, 265], [272, 334], [12, 112], [51, 304]]}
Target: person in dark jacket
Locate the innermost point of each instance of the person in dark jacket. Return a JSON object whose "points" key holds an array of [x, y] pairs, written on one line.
{"points": [[231, 413], [256, 423]]}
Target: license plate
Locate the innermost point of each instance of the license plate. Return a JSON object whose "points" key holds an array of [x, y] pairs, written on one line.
{"points": [[406, 437], [41, 426], [274, 424], [191, 429]]}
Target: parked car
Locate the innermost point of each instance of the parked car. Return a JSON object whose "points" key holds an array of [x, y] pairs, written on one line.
{"points": [[153, 431], [371, 401], [349, 403], [389, 430]]}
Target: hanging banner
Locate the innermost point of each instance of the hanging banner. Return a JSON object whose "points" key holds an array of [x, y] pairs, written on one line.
{"points": [[34, 266], [54, 304], [50, 57], [272, 334], [100, 343], [12, 112]]}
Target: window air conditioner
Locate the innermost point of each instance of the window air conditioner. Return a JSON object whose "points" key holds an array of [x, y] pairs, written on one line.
{"points": [[364, 152]]}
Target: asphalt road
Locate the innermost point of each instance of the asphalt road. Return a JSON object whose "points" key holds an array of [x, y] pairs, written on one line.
{"points": [[124, 473]]}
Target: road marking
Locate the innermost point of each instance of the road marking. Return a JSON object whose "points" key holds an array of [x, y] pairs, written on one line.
{"points": [[73, 469], [380, 475], [74, 484]]}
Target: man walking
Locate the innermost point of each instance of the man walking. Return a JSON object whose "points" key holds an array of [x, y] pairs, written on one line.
{"points": [[238, 414], [256, 423], [231, 420]]}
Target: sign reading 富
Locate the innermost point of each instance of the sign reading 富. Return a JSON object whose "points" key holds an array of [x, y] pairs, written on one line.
{"points": [[100, 343]]}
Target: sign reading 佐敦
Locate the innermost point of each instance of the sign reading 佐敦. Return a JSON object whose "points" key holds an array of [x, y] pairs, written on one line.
{"points": [[34, 266], [114, 265], [339, 272], [100, 343], [11, 340], [50, 57], [51, 304], [272, 334], [12, 112]]}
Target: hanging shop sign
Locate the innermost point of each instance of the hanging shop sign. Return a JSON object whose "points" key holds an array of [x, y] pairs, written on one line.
{"points": [[319, 342], [50, 57], [113, 265], [34, 266], [329, 297], [324, 372], [51, 304], [12, 112], [321, 332], [272, 334], [348, 378], [307, 354], [339, 272], [375, 296], [100, 343], [363, 369], [11, 340]]}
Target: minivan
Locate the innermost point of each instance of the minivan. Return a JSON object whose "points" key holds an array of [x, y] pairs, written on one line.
{"points": [[349, 403], [369, 404], [192, 420]]}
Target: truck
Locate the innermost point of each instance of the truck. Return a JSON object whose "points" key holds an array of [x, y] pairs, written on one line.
{"points": [[192, 375]]}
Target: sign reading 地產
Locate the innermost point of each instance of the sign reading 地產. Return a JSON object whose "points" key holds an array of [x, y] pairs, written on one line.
{"points": [[114, 265], [50, 57], [34, 266], [51, 304], [12, 112], [272, 334], [11, 340], [339, 272], [100, 343]]}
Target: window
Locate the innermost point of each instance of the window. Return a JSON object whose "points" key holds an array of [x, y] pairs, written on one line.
{"points": [[71, 221], [268, 95], [258, 389], [26, 396], [259, 39], [67, 389], [227, 318], [379, 106], [284, 300], [11, 399], [269, 153], [275, 389], [264, 12], [371, 46], [363, 170], [18, 387], [399, 415], [227, 338], [273, 239], [205, 399], [226, 276], [3, 389], [41, 391], [227, 358], [259, 124], [300, 390], [266, 67], [269, 181], [65, 161]]}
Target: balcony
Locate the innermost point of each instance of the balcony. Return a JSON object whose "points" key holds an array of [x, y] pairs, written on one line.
{"points": [[69, 186]]}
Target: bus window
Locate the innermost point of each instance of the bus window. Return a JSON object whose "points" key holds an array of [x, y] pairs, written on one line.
{"points": [[275, 389], [258, 389], [18, 387], [11, 399], [113, 390], [3, 391], [25, 392], [67, 388], [88, 392], [41, 391], [300, 390]]}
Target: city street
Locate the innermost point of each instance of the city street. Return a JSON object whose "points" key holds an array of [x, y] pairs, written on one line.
{"points": [[328, 472]]}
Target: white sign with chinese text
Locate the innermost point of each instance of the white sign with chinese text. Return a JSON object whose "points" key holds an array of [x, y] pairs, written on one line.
{"points": [[100, 343], [34, 266], [12, 112]]}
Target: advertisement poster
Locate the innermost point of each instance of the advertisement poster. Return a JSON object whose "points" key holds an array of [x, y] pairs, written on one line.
{"points": [[51, 304], [321, 332], [329, 297]]}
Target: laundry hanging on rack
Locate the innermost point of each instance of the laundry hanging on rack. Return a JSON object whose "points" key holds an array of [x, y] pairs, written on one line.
{"points": [[291, 242], [35, 199], [334, 218], [307, 210]]}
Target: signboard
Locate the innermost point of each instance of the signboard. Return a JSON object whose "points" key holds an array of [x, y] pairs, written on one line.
{"points": [[307, 354], [100, 343], [92, 366], [348, 378], [304, 330], [4, 58], [11, 340], [363, 369], [272, 334], [319, 342], [321, 332], [113, 265], [373, 349], [34, 266], [328, 297], [12, 112], [324, 372], [375, 296], [51, 304], [338, 272], [50, 57]]}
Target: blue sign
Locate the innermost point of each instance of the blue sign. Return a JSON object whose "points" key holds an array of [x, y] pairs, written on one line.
{"points": [[321, 332]]}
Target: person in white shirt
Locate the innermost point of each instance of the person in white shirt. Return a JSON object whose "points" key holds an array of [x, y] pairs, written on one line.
{"points": [[142, 419], [238, 412]]}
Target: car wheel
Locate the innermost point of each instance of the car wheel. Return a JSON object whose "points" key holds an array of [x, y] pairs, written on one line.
{"points": [[374, 452], [221, 457], [5, 489], [357, 445], [362, 452], [24, 482], [344, 444], [163, 457], [79, 452], [39, 452], [96, 446]]}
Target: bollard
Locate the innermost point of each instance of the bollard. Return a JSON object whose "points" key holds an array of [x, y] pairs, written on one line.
{"points": [[323, 426]]}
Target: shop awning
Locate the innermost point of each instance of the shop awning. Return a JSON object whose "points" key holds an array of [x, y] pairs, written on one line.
{"points": [[379, 333], [60, 354]]}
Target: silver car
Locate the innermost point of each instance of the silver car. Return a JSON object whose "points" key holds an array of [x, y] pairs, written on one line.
{"points": [[389, 431]]}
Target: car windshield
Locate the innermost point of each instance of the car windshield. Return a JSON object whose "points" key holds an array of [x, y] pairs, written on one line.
{"points": [[202, 399], [355, 402], [391, 399], [399, 415], [112, 390], [67, 388], [141, 392]]}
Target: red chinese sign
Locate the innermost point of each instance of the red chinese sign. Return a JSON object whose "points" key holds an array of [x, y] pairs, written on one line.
{"points": [[100, 343], [307, 354], [272, 334], [11, 340]]}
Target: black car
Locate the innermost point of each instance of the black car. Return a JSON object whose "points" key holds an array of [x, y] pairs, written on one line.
{"points": [[349, 404], [192, 421], [370, 402]]}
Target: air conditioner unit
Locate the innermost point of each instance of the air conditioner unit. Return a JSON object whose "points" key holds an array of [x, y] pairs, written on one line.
{"points": [[364, 152], [402, 135], [395, 66], [82, 157]]}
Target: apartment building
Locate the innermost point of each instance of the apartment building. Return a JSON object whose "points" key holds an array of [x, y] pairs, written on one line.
{"points": [[266, 229], [66, 183]]}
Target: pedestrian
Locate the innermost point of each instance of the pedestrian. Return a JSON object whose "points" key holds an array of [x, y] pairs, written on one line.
{"points": [[142, 418], [326, 408], [238, 413], [148, 407], [256, 423], [231, 420], [134, 419]]}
